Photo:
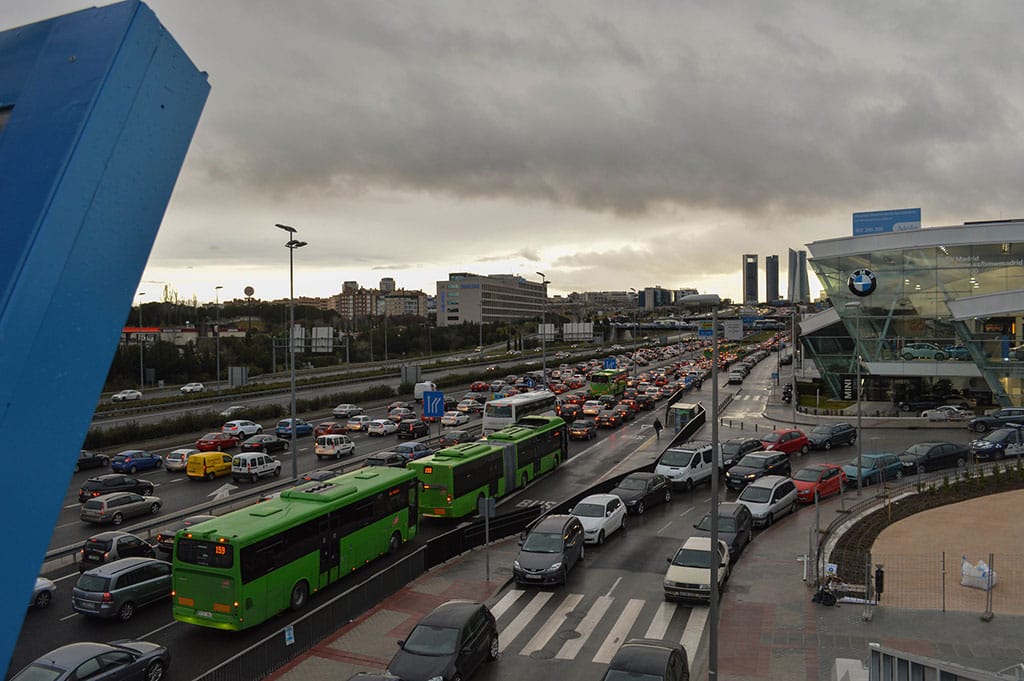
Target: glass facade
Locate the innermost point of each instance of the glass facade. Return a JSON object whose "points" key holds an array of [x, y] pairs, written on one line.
{"points": [[915, 336]]}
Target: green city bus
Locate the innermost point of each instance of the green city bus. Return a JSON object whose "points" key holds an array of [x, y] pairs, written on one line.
{"points": [[608, 382], [453, 480], [241, 568]]}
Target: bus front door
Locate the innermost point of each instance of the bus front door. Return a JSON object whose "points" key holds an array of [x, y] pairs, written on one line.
{"points": [[508, 461], [330, 550]]}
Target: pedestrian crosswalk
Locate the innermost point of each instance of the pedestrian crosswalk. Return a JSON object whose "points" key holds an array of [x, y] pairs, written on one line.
{"points": [[570, 626]]}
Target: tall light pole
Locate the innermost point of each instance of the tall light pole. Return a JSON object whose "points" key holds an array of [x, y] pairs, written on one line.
{"points": [[714, 301], [142, 371], [216, 330], [636, 329], [855, 305], [291, 245], [543, 321]]}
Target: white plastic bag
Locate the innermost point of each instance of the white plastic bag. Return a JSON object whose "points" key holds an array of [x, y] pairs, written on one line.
{"points": [[977, 576]]}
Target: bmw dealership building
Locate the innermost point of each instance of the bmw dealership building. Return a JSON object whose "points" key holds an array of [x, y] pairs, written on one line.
{"points": [[937, 311]]}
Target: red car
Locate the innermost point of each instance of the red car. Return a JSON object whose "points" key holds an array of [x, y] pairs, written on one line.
{"points": [[330, 428], [216, 442], [824, 478], [788, 440], [480, 387]]}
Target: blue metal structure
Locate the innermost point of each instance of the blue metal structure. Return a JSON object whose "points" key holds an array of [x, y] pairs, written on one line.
{"points": [[97, 110]]}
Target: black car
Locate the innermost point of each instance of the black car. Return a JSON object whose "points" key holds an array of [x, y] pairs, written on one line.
{"points": [[997, 419], [625, 410], [827, 436], [450, 642], [756, 465], [644, 401], [391, 459], [998, 444], [930, 456], [549, 551], [582, 429], [113, 482], [319, 475], [649, 659], [165, 538], [87, 459], [122, 660], [734, 449], [450, 438], [640, 490], [264, 442], [735, 527], [413, 429]]}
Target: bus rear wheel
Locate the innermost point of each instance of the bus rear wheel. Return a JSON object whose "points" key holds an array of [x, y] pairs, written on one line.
{"points": [[300, 594]]}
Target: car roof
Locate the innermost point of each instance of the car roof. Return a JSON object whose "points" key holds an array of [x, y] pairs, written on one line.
{"points": [[110, 534], [553, 522], [644, 656], [73, 654], [451, 614], [768, 481], [598, 498], [120, 565], [640, 475]]}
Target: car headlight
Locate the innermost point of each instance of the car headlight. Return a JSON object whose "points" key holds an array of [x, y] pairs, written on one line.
{"points": [[516, 565], [554, 567], [436, 678], [750, 476], [705, 586]]}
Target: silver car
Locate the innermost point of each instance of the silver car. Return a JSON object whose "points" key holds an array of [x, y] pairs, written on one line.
{"points": [[116, 507], [118, 588]]}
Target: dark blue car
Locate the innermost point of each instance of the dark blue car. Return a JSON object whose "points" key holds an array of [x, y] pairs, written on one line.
{"points": [[133, 460], [284, 428]]}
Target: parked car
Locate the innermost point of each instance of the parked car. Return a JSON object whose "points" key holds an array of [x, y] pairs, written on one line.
{"points": [[601, 515], [946, 412], [113, 482], [454, 418], [931, 456], [450, 642], [550, 550], [788, 440], [959, 352], [116, 507], [177, 459], [133, 460], [346, 411], [412, 429], [735, 527], [649, 660], [413, 450], [216, 442], [87, 459], [827, 436], [107, 546], [640, 490], [165, 538], [687, 464], [689, 570], [997, 419], [284, 428], [381, 427], [755, 465], [823, 479], [234, 410], [358, 422], [922, 351], [769, 498], [734, 449], [998, 444], [450, 438], [876, 467], [241, 429], [42, 593], [265, 442], [192, 388], [118, 588], [121, 660], [126, 396], [583, 429]]}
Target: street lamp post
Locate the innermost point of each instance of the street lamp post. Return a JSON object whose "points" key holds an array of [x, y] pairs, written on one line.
{"points": [[216, 330], [291, 245], [714, 301], [543, 322], [142, 371], [856, 305], [636, 331]]}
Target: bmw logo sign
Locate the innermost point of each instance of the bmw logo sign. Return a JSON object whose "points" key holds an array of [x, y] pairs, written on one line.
{"points": [[862, 283]]}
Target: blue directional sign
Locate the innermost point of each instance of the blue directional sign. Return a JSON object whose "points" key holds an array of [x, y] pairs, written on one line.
{"points": [[609, 363], [705, 329], [433, 403]]}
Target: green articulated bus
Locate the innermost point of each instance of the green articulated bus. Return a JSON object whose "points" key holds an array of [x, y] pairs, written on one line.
{"points": [[608, 382], [241, 568], [454, 479]]}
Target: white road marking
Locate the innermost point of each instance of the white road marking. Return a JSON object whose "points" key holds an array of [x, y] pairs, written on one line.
{"points": [[613, 586], [664, 527], [585, 628], [662, 618], [694, 630], [553, 624], [619, 632], [506, 602], [67, 617], [690, 508], [147, 636], [517, 625]]}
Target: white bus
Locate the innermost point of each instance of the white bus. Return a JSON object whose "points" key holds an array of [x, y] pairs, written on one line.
{"points": [[507, 411]]}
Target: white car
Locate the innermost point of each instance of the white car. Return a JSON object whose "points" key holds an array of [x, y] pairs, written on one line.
{"points": [[126, 395], [945, 413], [601, 514], [470, 407], [359, 422], [454, 418], [345, 411], [193, 388], [177, 460], [241, 429], [689, 570], [381, 427]]}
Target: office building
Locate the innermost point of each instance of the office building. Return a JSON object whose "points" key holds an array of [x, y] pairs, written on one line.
{"points": [[467, 297], [387, 284], [799, 286], [771, 278], [750, 279]]}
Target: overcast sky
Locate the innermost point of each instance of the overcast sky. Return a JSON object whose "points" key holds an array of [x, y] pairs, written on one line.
{"points": [[607, 144]]}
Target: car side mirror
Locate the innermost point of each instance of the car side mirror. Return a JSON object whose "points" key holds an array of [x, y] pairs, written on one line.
{"points": [[401, 643], [696, 525], [668, 559]]}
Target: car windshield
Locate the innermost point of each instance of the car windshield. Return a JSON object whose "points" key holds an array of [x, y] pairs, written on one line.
{"points": [[589, 510], [1000, 436], [676, 458], [807, 474], [725, 523], [633, 483], [770, 437], [756, 495], [820, 430], [38, 672], [694, 558], [433, 641], [752, 462], [731, 447], [543, 542]]}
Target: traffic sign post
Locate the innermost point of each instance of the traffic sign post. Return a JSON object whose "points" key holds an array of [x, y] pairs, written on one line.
{"points": [[488, 508]]}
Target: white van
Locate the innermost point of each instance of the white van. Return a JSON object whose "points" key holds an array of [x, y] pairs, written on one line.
{"points": [[423, 387], [254, 465], [687, 464], [334, 446]]}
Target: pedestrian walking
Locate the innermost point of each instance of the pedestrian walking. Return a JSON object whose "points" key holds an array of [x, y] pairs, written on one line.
{"points": [[657, 428]]}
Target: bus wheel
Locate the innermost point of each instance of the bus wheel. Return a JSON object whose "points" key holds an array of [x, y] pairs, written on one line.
{"points": [[394, 543], [523, 482], [300, 594]]}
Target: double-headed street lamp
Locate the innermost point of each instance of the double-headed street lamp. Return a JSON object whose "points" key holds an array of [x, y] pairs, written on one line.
{"points": [[856, 305], [291, 245], [142, 371], [714, 301], [216, 293], [543, 322], [636, 329]]}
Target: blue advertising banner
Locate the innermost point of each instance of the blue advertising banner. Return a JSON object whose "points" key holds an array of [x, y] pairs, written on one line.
{"points": [[886, 221]]}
